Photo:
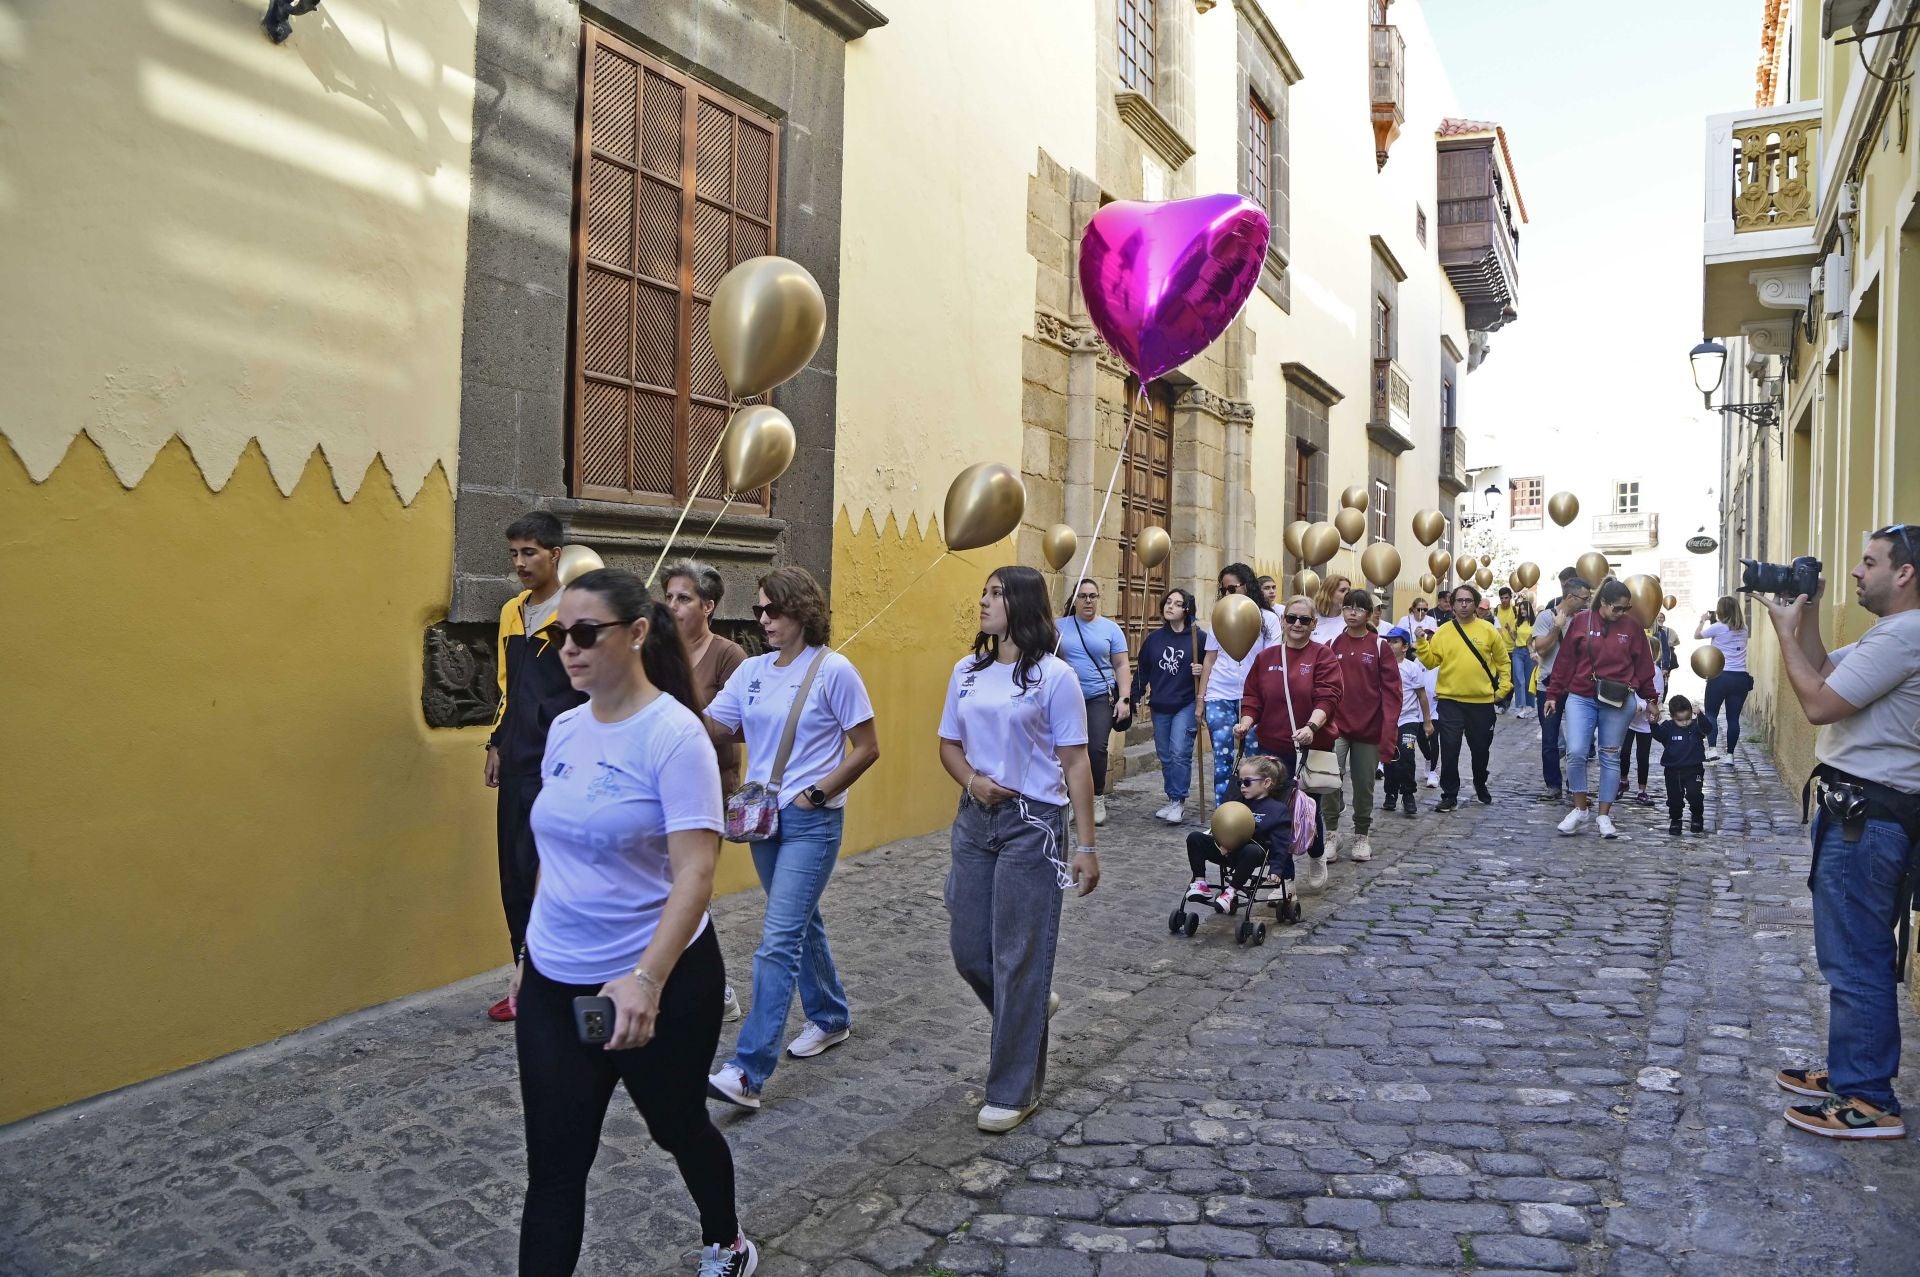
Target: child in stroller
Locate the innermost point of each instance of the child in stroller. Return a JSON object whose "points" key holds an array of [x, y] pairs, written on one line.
{"points": [[1262, 871]]}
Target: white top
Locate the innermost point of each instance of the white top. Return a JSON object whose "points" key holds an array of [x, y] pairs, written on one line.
{"points": [[1642, 720], [760, 693], [1542, 626], [1881, 675], [1228, 682], [1009, 733], [1732, 644], [1413, 677], [1328, 628], [535, 617], [1413, 627], [610, 794]]}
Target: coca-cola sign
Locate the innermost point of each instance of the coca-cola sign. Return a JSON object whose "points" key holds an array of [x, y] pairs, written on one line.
{"points": [[1702, 544]]}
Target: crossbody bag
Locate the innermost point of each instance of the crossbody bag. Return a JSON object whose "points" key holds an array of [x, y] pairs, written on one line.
{"points": [[1319, 769], [1610, 692], [753, 810], [1492, 680]]}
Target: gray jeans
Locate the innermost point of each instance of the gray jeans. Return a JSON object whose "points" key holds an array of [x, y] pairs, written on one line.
{"points": [[1003, 899]]}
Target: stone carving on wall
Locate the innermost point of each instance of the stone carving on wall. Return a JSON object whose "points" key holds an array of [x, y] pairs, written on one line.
{"points": [[1064, 335], [460, 686], [1198, 396]]}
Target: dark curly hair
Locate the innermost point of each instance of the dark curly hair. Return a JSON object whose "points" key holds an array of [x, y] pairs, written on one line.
{"points": [[796, 595]]}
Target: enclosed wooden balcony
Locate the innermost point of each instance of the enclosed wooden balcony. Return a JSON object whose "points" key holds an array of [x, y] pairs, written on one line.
{"points": [[1453, 461], [1391, 423], [1479, 239], [1389, 61]]}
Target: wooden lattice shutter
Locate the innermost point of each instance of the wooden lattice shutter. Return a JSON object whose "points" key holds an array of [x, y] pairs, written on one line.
{"points": [[677, 184]]}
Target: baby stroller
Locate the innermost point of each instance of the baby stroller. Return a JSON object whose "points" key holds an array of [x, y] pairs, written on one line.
{"points": [[1262, 886]]}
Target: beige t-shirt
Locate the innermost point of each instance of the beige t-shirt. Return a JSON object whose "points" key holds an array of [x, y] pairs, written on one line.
{"points": [[1881, 675], [537, 616]]}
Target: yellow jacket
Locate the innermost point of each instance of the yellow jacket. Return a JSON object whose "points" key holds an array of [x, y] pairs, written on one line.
{"points": [[1461, 676]]}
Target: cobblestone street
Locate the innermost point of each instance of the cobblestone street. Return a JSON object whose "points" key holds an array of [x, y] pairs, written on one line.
{"points": [[1490, 1049]]}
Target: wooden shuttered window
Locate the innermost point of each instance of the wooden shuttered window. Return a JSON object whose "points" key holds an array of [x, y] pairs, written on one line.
{"points": [[1138, 39], [1146, 500], [677, 183]]}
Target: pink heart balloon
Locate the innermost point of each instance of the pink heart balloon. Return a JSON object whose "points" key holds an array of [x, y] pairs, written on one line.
{"points": [[1163, 281]]}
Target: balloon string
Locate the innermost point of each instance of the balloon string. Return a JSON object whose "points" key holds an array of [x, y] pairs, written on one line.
{"points": [[1100, 521], [692, 493], [842, 646], [708, 535]]}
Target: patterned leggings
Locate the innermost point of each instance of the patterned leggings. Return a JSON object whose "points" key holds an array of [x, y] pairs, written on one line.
{"points": [[1221, 716]]}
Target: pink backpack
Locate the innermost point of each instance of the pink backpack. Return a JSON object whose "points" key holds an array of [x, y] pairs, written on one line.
{"points": [[1305, 821]]}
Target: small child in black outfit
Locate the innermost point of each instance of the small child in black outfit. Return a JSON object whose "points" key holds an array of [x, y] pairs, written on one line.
{"points": [[1683, 755], [1263, 788]]}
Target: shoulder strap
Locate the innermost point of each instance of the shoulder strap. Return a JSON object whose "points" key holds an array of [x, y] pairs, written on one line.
{"points": [[1471, 647], [793, 723]]}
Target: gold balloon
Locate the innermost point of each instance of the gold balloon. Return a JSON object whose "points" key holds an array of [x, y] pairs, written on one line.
{"points": [[1380, 563], [1351, 524], [1484, 578], [1513, 581], [984, 504], [1295, 530], [1236, 624], [1708, 662], [1319, 543], [1670, 603], [757, 447], [1306, 581], [1439, 562], [1593, 568], [766, 320], [1646, 598], [1428, 525], [1563, 508], [1354, 498], [1466, 565], [1232, 826], [1059, 545], [577, 561], [1152, 545], [1529, 574], [1428, 583]]}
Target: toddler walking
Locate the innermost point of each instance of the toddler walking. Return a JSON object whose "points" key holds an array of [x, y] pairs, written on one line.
{"points": [[1683, 756]]}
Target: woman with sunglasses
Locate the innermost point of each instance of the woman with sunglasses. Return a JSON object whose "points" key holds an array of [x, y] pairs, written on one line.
{"points": [[1223, 680], [1726, 628], [1013, 735], [1292, 694], [834, 743], [628, 826], [1603, 661]]}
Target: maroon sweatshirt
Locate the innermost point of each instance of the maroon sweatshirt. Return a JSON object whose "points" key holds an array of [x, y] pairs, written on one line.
{"points": [[1592, 648], [1313, 680], [1369, 708]]}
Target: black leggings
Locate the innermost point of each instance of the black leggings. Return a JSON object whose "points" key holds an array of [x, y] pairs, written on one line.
{"points": [[1728, 688], [1640, 746], [565, 1086], [1240, 865]]}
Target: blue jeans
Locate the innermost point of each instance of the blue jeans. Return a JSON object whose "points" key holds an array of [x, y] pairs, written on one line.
{"points": [[794, 866], [1522, 661], [1856, 908], [1221, 716], [1173, 733], [1550, 745], [1585, 717]]}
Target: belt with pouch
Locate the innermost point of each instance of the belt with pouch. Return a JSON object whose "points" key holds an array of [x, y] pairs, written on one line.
{"points": [[1853, 801]]}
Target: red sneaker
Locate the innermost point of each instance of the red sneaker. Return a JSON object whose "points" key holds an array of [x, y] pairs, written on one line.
{"points": [[501, 1012]]}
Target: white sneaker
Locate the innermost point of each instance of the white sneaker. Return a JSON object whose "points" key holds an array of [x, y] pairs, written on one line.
{"points": [[1100, 809], [1333, 847], [1362, 848], [1604, 824], [1433, 780], [1227, 900], [1174, 812], [742, 1259], [997, 1120], [1053, 1004], [729, 1083], [1201, 892], [1713, 753], [1525, 713], [1316, 872], [730, 1009], [1576, 821], [813, 1039]]}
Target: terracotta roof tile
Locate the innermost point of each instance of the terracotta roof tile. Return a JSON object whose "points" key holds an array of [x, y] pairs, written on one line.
{"points": [[1454, 126]]}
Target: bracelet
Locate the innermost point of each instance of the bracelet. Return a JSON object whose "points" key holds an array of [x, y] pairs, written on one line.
{"points": [[645, 976], [969, 785], [1085, 851]]}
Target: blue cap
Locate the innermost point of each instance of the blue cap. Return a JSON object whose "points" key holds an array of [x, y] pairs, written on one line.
{"points": [[1398, 633]]}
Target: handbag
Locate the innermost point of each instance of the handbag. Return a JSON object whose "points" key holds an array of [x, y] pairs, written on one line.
{"points": [[1113, 687], [1610, 692], [1319, 769], [753, 810], [1454, 621]]}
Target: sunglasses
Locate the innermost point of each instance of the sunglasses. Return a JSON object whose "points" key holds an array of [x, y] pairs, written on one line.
{"points": [[1229, 589], [1250, 780], [767, 611], [1902, 532], [583, 633], [1298, 620], [1420, 610]]}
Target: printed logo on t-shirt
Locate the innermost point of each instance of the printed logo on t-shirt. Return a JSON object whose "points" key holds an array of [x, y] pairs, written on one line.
{"points": [[966, 685], [560, 769], [605, 781], [753, 691]]}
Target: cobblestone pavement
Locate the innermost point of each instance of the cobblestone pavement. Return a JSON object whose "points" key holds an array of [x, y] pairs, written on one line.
{"points": [[1490, 1049]]}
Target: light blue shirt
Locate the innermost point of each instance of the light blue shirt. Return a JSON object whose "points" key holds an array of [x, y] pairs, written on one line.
{"points": [[1090, 646]]}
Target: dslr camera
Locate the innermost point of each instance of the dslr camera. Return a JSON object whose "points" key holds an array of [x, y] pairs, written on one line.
{"points": [[1787, 580]]}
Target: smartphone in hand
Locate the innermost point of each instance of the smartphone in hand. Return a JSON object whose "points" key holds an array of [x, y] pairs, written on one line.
{"points": [[593, 1019]]}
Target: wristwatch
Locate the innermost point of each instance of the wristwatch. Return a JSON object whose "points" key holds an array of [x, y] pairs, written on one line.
{"points": [[816, 795]]}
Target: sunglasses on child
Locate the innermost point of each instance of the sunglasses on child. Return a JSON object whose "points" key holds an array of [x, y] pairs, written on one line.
{"points": [[1251, 780], [583, 633]]}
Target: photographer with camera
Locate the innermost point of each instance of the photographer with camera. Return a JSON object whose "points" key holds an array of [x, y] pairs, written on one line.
{"points": [[1865, 699]]}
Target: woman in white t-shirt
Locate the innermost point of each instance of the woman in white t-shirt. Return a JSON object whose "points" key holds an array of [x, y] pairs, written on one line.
{"points": [[1726, 628], [1329, 607], [1013, 735], [628, 828], [1223, 680], [834, 743]]}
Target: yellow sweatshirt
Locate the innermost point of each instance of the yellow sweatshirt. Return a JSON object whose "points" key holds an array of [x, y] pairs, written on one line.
{"points": [[1461, 676]]}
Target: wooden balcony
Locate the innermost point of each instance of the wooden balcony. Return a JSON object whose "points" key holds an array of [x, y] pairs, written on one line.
{"points": [[1389, 88], [1453, 461], [1391, 422], [1762, 199], [1479, 244]]}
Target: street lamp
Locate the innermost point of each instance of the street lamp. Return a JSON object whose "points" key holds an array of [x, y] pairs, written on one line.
{"points": [[1709, 361], [1492, 495]]}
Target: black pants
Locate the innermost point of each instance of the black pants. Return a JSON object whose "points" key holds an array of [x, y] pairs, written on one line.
{"points": [[1474, 723], [1640, 747], [519, 858], [565, 1086], [1400, 773], [1728, 688], [1686, 788], [1099, 736], [1240, 865], [1430, 746]]}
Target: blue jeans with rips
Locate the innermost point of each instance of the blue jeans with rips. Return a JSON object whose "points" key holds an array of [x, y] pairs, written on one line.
{"points": [[1173, 733], [1856, 908], [1586, 719], [794, 866]]}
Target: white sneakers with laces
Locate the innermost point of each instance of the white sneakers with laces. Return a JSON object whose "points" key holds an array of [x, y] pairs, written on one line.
{"points": [[1316, 872], [730, 1009], [1576, 821], [742, 1259], [1362, 848], [1333, 846], [997, 1119], [1604, 823], [813, 1039], [1099, 809], [729, 1083]]}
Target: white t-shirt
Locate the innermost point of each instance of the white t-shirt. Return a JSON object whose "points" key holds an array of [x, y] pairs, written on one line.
{"points": [[1732, 644], [610, 794], [1881, 675], [761, 693], [1010, 734], [1413, 678], [1228, 682], [1328, 628]]}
